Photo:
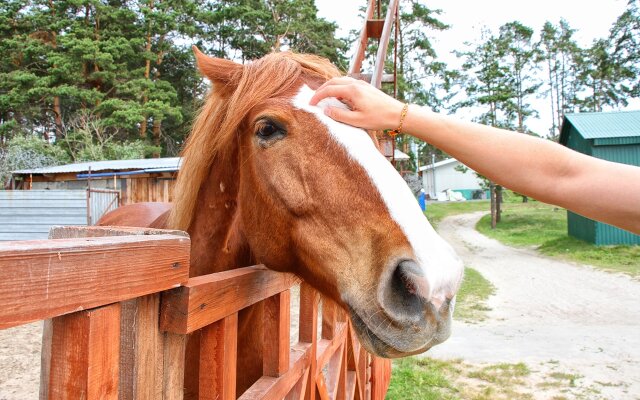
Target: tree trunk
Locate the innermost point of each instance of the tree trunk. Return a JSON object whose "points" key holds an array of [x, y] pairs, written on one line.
{"points": [[492, 194], [57, 111], [498, 189], [57, 108], [157, 124], [147, 73]]}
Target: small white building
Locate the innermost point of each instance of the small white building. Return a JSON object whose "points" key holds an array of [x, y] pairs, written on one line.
{"points": [[445, 174]]}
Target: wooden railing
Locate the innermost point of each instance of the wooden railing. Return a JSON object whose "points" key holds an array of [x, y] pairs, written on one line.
{"points": [[118, 306]]}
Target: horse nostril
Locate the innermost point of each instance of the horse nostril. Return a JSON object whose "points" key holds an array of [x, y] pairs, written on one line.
{"points": [[409, 277], [404, 296]]}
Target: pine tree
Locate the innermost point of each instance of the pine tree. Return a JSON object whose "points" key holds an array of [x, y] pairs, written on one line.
{"points": [[126, 69], [610, 70], [562, 58], [487, 82], [519, 57]]}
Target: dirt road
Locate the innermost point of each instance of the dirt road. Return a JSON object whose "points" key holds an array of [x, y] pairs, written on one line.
{"points": [[549, 314]]}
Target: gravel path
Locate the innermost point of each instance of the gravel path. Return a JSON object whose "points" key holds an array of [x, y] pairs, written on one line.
{"points": [[548, 312]]}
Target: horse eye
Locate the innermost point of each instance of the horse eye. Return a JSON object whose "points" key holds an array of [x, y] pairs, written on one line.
{"points": [[269, 130]]}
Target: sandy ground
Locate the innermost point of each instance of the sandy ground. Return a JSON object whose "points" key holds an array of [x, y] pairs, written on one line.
{"points": [[552, 315], [20, 362]]}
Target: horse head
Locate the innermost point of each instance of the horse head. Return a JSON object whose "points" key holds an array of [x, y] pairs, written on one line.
{"points": [[315, 197]]}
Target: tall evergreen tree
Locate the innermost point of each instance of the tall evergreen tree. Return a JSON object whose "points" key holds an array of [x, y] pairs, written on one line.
{"points": [[124, 68], [610, 71], [562, 59], [487, 82], [519, 56]]}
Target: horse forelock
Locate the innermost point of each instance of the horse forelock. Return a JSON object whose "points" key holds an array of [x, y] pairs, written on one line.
{"points": [[219, 120]]}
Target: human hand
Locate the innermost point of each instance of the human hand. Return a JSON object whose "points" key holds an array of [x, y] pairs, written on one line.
{"points": [[370, 108]]}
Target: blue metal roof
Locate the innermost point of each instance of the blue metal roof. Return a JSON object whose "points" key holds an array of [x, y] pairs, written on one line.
{"points": [[148, 164], [603, 125]]}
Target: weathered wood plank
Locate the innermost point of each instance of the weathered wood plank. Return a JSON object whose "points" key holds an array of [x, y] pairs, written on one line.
{"points": [[308, 332], [173, 381], [151, 363], [327, 348], [147, 368], [354, 365], [269, 387], [208, 298], [351, 385], [380, 377], [297, 392], [218, 352], [47, 278], [45, 359], [323, 391], [329, 318], [85, 354], [275, 342], [334, 373], [68, 232]]}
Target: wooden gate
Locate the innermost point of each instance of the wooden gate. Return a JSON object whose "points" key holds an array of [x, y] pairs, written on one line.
{"points": [[118, 305]]}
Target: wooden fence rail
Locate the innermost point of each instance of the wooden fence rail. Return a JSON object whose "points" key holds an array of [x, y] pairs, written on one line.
{"points": [[118, 306]]}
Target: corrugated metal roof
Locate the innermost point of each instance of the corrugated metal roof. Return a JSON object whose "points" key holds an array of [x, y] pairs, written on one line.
{"points": [[168, 164], [147, 164], [605, 124], [438, 164], [399, 155]]}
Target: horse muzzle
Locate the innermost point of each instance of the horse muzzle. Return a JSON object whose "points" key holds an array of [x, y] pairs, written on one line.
{"points": [[406, 317]]}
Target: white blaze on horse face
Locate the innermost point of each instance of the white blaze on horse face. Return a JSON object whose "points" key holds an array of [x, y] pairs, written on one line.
{"points": [[440, 264]]}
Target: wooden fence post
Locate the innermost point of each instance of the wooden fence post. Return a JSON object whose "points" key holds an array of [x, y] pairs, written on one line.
{"points": [[151, 362], [218, 351], [308, 331], [275, 342], [85, 355]]}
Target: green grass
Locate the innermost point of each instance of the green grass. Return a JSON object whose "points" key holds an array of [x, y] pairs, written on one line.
{"points": [[422, 378], [426, 378], [502, 374], [625, 259], [474, 291], [529, 224], [544, 228]]}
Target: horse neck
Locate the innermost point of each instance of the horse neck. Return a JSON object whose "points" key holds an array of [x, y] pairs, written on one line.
{"points": [[217, 241]]}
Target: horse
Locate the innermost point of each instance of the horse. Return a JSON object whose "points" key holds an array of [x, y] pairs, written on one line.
{"points": [[268, 179]]}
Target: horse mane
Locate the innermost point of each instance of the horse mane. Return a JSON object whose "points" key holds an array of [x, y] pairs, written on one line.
{"points": [[219, 119]]}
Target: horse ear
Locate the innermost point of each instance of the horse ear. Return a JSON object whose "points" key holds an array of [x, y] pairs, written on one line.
{"points": [[217, 70]]}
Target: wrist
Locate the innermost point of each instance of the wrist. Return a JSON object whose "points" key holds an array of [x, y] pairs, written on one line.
{"points": [[393, 115], [418, 120]]}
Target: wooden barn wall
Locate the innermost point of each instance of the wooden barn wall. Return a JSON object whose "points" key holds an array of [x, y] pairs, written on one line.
{"points": [[138, 190], [28, 214]]}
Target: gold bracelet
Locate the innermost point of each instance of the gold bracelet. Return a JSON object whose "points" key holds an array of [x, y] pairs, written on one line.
{"points": [[403, 114]]}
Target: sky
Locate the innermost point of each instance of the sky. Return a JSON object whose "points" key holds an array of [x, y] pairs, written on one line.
{"points": [[591, 19]]}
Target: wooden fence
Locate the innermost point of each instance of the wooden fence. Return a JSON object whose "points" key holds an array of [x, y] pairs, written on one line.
{"points": [[118, 305]]}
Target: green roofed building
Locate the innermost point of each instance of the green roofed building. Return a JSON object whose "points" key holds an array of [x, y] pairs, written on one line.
{"points": [[612, 136]]}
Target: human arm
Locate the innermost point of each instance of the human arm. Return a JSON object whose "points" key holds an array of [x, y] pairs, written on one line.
{"points": [[598, 189]]}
